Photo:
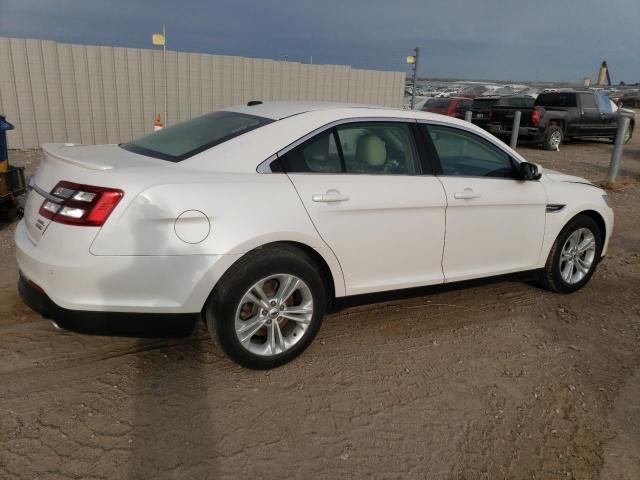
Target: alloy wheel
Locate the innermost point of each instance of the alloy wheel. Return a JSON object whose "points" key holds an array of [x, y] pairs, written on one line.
{"points": [[555, 139], [274, 314], [577, 255]]}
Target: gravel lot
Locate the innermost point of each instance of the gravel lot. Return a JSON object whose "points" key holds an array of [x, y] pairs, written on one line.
{"points": [[500, 381]]}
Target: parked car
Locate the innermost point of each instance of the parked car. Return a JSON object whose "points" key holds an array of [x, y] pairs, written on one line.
{"points": [[482, 106], [452, 106], [260, 217], [556, 116]]}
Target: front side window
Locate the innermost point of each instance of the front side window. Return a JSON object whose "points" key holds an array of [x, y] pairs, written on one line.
{"points": [[363, 147], [605, 105], [465, 154], [183, 140]]}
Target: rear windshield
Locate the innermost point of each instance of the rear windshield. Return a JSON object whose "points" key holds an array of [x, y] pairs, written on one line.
{"points": [[484, 103], [520, 101], [439, 103], [556, 100], [186, 139]]}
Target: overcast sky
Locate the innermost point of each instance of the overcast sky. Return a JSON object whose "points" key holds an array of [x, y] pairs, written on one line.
{"points": [[475, 39]]}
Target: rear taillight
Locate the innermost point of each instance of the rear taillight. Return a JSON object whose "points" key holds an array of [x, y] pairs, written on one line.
{"points": [[535, 117], [83, 205]]}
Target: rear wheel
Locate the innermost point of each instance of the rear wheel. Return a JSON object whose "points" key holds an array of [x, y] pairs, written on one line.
{"points": [[553, 137], [268, 308], [574, 256]]}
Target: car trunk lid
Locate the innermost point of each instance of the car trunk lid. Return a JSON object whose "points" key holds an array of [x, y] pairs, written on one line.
{"points": [[76, 163]]}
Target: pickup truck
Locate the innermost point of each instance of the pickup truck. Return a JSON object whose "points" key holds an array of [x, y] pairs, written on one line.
{"points": [[482, 106], [557, 116]]}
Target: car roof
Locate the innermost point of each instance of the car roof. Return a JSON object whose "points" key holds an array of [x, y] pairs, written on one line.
{"points": [[280, 110], [295, 120]]}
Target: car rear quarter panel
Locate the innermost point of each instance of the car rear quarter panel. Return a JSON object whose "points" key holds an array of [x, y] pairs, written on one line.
{"points": [[244, 211]]}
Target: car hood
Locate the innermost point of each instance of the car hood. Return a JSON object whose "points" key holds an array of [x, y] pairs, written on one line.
{"points": [[555, 176]]}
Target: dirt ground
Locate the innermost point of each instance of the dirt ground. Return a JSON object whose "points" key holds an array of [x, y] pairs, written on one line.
{"points": [[501, 381]]}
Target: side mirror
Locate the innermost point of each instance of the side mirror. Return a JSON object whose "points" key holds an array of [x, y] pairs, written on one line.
{"points": [[529, 171]]}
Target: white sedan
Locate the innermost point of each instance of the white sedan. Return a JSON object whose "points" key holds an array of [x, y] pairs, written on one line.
{"points": [[259, 217]]}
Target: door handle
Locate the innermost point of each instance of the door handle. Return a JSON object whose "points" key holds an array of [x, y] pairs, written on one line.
{"points": [[329, 197], [468, 194]]}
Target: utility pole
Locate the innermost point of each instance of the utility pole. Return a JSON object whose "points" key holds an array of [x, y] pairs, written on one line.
{"points": [[413, 60], [166, 92], [161, 40]]}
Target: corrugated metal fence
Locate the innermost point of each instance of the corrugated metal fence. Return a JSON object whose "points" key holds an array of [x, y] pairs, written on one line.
{"points": [[56, 92]]}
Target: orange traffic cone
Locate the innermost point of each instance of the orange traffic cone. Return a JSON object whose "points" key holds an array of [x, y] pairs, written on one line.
{"points": [[158, 125]]}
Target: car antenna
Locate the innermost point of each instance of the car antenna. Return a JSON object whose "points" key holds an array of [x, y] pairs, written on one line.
{"points": [[251, 103]]}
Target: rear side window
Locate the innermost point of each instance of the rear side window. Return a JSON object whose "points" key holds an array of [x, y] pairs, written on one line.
{"points": [[378, 148], [588, 100], [318, 155], [556, 100], [181, 141], [382, 148]]}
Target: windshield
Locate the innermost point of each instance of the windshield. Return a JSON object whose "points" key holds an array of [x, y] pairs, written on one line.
{"points": [[186, 139]]}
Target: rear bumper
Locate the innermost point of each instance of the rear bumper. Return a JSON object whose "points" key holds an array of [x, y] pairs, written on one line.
{"points": [[105, 323], [74, 279]]}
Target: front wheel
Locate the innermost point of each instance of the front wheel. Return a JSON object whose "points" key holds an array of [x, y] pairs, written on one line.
{"points": [[627, 135], [268, 308], [574, 256]]}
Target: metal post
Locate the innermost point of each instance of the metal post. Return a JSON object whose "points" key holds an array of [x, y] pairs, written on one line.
{"points": [[166, 93], [614, 166], [467, 116], [514, 129], [415, 78]]}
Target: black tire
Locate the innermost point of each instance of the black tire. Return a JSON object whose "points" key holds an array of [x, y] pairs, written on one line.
{"points": [[550, 134], [628, 134], [627, 137], [220, 309], [551, 274]]}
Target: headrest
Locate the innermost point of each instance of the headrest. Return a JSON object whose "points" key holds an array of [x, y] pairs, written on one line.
{"points": [[318, 151], [371, 150]]}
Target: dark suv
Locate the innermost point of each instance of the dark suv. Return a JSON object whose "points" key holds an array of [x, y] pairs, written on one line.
{"points": [[452, 106], [482, 106]]}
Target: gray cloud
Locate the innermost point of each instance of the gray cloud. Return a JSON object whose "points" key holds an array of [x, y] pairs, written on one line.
{"points": [[517, 39]]}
